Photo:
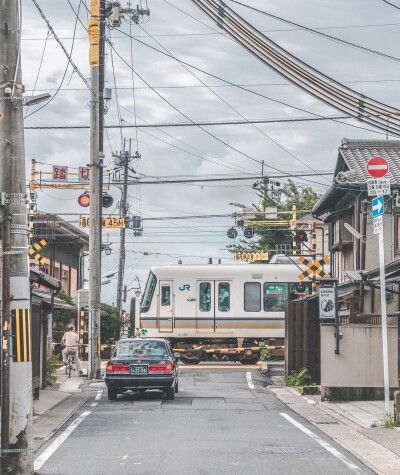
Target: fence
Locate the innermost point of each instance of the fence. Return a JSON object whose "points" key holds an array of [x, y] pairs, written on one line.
{"points": [[302, 340]]}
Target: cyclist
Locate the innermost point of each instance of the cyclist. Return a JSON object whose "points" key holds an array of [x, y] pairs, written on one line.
{"points": [[71, 341]]}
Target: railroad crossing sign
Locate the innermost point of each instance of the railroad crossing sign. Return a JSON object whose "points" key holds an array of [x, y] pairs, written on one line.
{"points": [[378, 207], [313, 268], [34, 251], [377, 167]]}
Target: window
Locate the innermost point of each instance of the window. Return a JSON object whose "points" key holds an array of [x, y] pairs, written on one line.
{"points": [[224, 297], [148, 292], [205, 297], [299, 290], [275, 296], [165, 296], [141, 349], [252, 296]]}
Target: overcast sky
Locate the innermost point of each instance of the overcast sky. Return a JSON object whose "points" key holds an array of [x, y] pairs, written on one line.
{"points": [[183, 30]]}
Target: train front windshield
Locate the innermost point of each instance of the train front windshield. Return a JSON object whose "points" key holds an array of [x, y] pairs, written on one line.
{"points": [[148, 292]]}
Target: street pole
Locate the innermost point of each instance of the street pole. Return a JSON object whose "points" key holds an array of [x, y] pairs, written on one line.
{"points": [[314, 256], [384, 322], [95, 221], [5, 346], [16, 310], [124, 199]]}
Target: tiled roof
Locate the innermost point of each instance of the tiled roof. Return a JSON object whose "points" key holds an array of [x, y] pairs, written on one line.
{"points": [[351, 168], [355, 154]]}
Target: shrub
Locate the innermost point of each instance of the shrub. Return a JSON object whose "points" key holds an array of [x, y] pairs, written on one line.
{"points": [[53, 362], [301, 378]]}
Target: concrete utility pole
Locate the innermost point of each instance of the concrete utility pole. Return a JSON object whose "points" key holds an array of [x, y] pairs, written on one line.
{"points": [[96, 172], [17, 437], [123, 160]]}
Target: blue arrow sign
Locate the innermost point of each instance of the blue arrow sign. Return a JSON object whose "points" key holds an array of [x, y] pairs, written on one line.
{"points": [[378, 207]]}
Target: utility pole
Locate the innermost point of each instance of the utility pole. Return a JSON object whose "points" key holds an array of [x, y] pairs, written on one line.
{"points": [[16, 410], [96, 171], [123, 160]]}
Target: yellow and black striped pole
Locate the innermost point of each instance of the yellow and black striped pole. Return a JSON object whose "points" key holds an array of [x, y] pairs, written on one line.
{"points": [[21, 335]]}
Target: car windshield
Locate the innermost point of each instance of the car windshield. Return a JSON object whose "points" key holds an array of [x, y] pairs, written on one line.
{"points": [[141, 349]]}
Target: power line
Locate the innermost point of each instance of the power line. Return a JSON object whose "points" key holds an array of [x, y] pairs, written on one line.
{"points": [[306, 77], [75, 67], [391, 4], [191, 124], [65, 71], [319, 33]]}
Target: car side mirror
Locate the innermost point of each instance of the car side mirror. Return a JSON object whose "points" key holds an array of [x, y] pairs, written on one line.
{"points": [[177, 355]]}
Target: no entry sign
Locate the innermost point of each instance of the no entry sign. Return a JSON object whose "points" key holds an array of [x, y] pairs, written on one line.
{"points": [[377, 167]]}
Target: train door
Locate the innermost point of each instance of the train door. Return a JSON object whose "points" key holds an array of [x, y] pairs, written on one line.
{"points": [[205, 317], [214, 307], [165, 307], [223, 311]]}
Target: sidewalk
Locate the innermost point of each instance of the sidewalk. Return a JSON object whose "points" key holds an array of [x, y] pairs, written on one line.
{"points": [[55, 407], [349, 424]]}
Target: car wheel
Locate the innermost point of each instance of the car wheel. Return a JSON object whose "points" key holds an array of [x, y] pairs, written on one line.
{"points": [[176, 387], [170, 393], [112, 394]]}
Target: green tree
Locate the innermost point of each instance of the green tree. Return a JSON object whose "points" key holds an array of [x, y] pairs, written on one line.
{"points": [[110, 324], [264, 237], [61, 318]]}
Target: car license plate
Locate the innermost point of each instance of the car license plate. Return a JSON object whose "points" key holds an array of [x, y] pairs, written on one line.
{"points": [[138, 369]]}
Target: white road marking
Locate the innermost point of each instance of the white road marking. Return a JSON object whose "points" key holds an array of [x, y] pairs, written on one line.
{"points": [[249, 380], [352, 466], [94, 404], [57, 443], [98, 395]]}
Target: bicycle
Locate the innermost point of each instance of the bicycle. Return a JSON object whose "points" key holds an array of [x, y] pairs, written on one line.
{"points": [[70, 360]]}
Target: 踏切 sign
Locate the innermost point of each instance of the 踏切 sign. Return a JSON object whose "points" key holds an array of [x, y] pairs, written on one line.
{"points": [[377, 167], [60, 173], [378, 206], [83, 174]]}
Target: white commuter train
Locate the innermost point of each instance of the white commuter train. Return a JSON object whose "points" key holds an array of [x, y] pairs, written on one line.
{"points": [[218, 306]]}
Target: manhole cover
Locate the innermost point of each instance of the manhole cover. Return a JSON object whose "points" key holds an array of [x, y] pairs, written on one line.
{"points": [[277, 449]]}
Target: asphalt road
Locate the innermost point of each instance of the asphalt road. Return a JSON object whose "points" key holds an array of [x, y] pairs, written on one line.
{"points": [[217, 424]]}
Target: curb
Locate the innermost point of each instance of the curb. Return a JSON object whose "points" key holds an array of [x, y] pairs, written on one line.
{"points": [[79, 404]]}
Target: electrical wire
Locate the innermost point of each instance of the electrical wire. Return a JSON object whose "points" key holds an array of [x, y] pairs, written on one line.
{"points": [[319, 33], [233, 108], [298, 72], [39, 69], [391, 4], [69, 57]]}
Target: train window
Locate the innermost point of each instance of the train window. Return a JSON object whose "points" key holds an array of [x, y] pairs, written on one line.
{"points": [[275, 296], [224, 297], [165, 296], [252, 296], [299, 290], [205, 297], [148, 292]]}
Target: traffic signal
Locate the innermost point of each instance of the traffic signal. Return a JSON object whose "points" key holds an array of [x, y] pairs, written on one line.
{"points": [[107, 200], [84, 200], [279, 235], [248, 232], [301, 236], [232, 233]]}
